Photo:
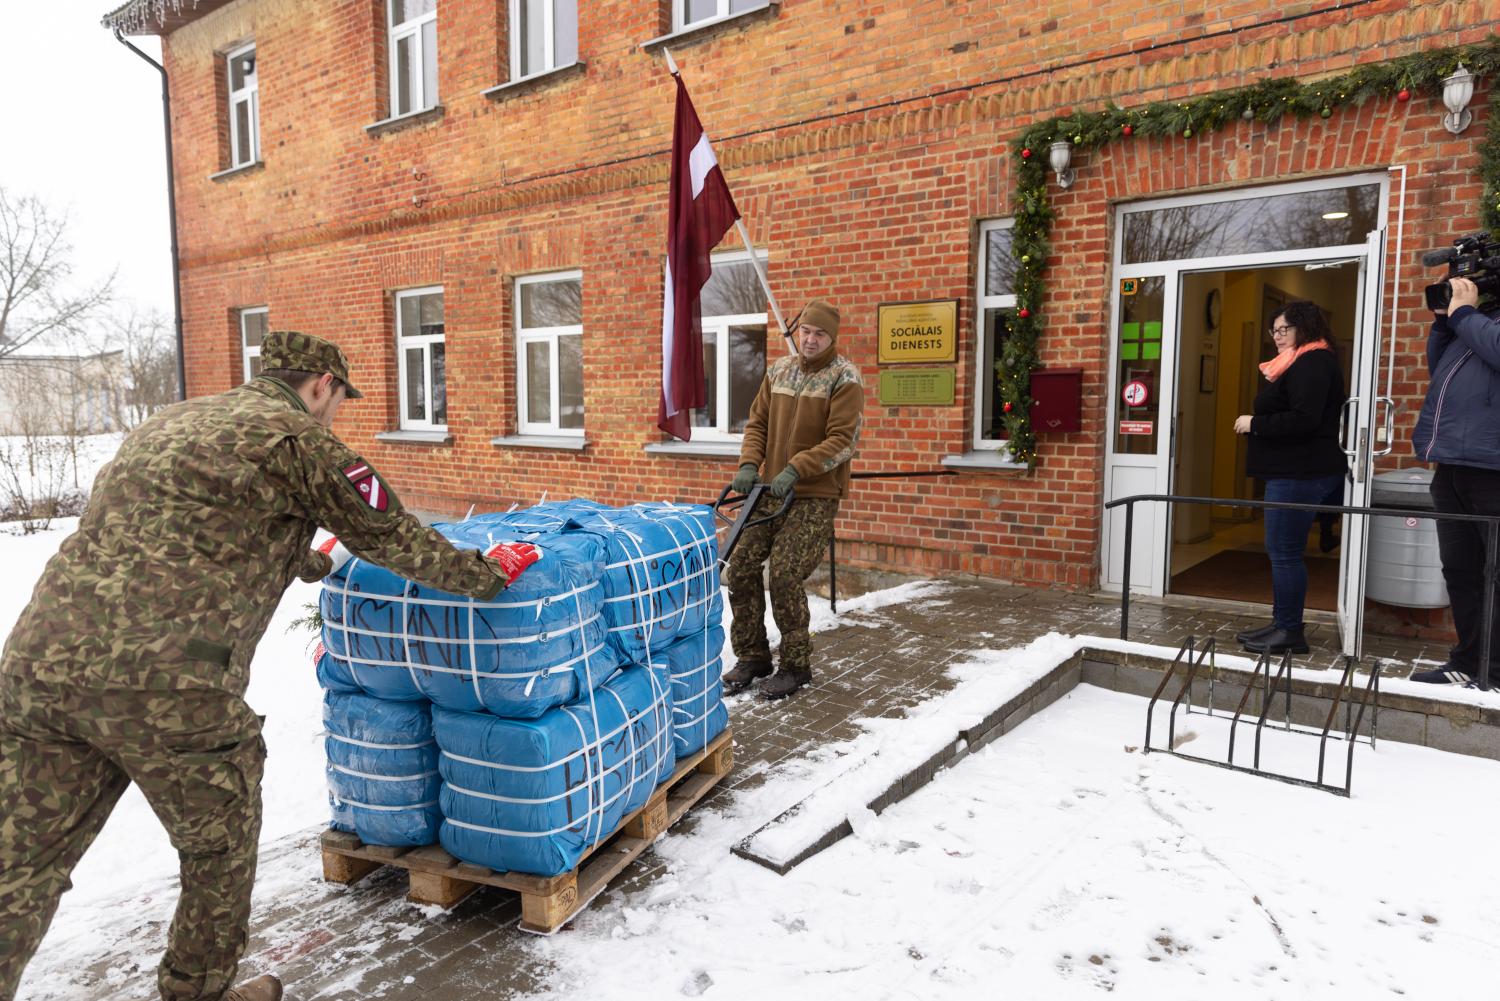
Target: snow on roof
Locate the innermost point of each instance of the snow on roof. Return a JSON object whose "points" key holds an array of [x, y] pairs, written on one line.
{"points": [[157, 17]]}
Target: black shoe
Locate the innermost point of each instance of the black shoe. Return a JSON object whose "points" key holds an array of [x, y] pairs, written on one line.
{"points": [[744, 674], [1251, 635], [1279, 641], [1445, 675], [784, 682]]}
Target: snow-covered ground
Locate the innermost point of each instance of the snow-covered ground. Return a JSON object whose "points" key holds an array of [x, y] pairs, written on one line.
{"points": [[1058, 862]]}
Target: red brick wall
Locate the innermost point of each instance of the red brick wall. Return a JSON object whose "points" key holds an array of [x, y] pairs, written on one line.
{"points": [[863, 143]]}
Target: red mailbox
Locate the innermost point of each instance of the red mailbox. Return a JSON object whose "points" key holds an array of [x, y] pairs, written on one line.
{"points": [[1056, 400]]}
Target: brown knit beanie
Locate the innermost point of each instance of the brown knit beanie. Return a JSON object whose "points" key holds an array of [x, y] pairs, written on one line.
{"points": [[820, 313]]}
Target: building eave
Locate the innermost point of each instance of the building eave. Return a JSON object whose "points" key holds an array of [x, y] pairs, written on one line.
{"points": [[158, 17]]}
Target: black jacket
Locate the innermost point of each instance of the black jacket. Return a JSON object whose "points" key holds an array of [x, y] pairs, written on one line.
{"points": [[1294, 433], [1460, 419]]}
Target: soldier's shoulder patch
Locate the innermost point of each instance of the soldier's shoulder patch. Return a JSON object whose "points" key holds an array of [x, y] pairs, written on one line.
{"points": [[368, 484]]}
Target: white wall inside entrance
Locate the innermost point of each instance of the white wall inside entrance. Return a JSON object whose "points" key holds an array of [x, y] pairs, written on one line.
{"points": [[1198, 392]]}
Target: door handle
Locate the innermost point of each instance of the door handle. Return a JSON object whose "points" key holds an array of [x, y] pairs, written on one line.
{"points": [[1362, 462], [1352, 453], [1388, 426]]}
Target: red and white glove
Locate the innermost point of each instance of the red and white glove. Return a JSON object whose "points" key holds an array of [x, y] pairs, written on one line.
{"points": [[513, 557], [334, 550]]}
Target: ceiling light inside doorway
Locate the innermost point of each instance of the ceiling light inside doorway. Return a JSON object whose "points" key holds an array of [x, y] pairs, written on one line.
{"points": [[1335, 215]]}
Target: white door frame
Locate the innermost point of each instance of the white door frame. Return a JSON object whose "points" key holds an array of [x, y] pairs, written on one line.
{"points": [[1151, 542], [1360, 432]]}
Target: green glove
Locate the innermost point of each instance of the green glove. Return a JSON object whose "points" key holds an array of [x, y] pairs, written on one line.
{"points": [[782, 484], [745, 478]]}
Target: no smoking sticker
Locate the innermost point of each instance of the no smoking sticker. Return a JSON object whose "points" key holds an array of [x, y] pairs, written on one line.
{"points": [[1135, 393]]}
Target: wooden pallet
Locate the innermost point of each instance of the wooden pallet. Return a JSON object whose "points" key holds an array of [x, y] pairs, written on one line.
{"points": [[547, 902]]}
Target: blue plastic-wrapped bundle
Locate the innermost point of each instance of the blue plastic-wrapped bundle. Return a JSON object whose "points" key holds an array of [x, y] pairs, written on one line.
{"points": [[532, 795], [382, 769], [661, 573], [540, 643], [695, 666]]}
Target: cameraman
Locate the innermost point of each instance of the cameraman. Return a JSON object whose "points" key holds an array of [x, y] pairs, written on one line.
{"points": [[1459, 429]]}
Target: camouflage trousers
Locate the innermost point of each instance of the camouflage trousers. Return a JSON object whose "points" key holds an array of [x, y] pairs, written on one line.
{"points": [[66, 755], [795, 543]]}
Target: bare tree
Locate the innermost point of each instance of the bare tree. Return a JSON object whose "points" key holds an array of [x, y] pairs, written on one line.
{"points": [[34, 457], [147, 376], [38, 298]]}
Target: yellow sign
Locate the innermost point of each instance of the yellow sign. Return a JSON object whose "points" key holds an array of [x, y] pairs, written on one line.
{"points": [[919, 332]]}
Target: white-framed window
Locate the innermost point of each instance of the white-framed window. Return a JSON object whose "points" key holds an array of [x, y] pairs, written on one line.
{"points": [[733, 306], [549, 353], [420, 359], [413, 48], [686, 13], [254, 322], [543, 36], [996, 298], [244, 106]]}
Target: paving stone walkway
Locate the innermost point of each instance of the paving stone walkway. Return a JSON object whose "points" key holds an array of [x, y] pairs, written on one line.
{"points": [[364, 941]]}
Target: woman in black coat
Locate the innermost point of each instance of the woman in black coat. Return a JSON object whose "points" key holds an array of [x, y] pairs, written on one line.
{"points": [[1294, 447]]}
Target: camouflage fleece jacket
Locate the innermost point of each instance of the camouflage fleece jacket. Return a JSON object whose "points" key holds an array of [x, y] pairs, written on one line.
{"points": [[195, 529], [807, 415]]}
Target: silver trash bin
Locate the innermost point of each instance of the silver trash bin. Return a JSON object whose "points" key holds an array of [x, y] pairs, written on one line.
{"points": [[1402, 566]]}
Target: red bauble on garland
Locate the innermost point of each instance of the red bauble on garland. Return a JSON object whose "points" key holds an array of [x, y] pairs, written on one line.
{"points": [[1026, 154], [1403, 94], [1007, 406], [1023, 313], [1126, 130]]}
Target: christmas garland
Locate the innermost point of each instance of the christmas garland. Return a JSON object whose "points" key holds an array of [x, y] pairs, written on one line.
{"points": [[1268, 102]]}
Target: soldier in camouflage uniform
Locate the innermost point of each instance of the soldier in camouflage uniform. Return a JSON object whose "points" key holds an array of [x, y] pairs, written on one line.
{"points": [[803, 428], [131, 661]]}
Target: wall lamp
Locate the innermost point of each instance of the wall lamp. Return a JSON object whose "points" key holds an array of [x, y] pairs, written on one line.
{"points": [[1458, 89], [1059, 155]]}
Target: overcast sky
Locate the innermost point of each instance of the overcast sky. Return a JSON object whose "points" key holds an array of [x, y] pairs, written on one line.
{"points": [[81, 126]]}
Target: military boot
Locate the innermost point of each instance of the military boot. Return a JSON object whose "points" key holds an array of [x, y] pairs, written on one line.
{"points": [[784, 682], [744, 674], [266, 988]]}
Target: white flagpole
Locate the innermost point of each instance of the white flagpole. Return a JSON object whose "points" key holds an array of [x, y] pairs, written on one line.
{"points": [[739, 224]]}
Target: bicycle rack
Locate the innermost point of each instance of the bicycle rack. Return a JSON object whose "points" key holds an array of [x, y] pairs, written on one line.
{"points": [[1193, 655]]}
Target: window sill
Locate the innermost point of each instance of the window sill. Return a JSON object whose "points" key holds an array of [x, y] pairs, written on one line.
{"points": [[244, 168], [564, 441], [415, 437], [695, 449], [770, 9], [985, 460], [400, 122], [504, 90]]}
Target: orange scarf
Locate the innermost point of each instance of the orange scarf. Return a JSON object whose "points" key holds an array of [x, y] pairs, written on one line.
{"points": [[1276, 367]]}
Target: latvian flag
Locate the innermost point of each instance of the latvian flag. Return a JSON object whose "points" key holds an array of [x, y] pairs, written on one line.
{"points": [[699, 214], [368, 484]]}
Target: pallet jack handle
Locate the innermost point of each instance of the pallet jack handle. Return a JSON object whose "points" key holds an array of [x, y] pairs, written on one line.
{"points": [[745, 505]]}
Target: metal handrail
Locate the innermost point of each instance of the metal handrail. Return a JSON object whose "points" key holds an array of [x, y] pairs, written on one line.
{"points": [[1491, 560]]}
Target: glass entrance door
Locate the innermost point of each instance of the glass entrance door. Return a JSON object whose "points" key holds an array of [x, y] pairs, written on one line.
{"points": [[1307, 225]]}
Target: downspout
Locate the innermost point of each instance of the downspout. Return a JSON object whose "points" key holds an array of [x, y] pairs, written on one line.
{"points": [[166, 118]]}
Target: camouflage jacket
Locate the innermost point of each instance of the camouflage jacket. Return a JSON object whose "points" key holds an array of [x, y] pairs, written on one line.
{"points": [[807, 415], [195, 529]]}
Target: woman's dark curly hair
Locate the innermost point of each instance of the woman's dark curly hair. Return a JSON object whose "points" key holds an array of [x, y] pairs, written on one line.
{"points": [[1307, 319]]}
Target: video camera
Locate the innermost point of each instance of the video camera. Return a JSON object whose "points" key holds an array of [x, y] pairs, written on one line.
{"points": [[1476, 258]]}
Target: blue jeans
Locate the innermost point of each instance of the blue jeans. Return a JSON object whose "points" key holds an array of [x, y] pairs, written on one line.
{"points": [[1286, 538]]}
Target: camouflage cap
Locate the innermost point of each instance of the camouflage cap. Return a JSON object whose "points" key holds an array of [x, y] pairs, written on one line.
{"points": [[299, 352]]}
